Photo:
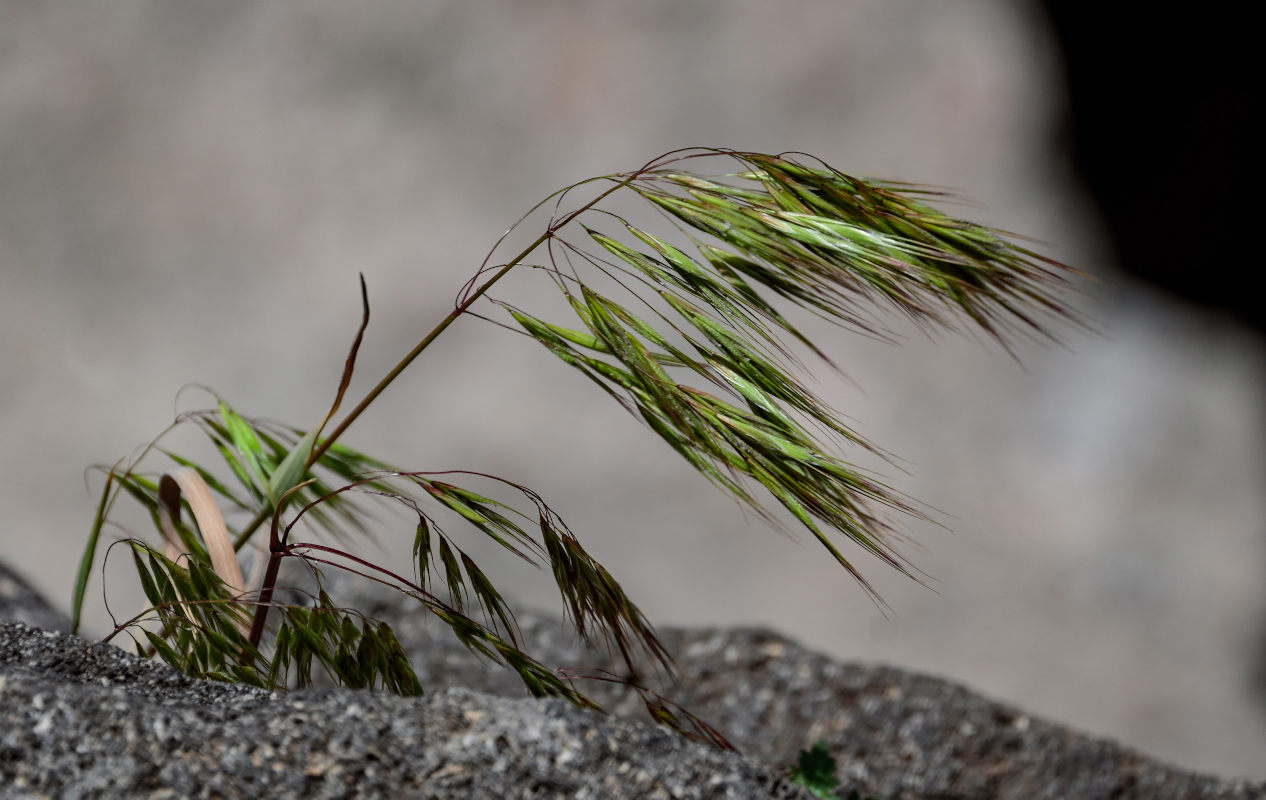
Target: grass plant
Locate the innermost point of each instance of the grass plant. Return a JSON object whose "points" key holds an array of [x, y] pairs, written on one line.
{"points": [[685, 328], [816, 770]]}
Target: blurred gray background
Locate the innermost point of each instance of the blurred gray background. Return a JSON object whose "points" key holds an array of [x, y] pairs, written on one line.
{"points": [[187, 191]]}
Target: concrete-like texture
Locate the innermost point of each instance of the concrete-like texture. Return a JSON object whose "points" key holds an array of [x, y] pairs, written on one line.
{"points": [[187, 191], [96, 733], [79, 719]]}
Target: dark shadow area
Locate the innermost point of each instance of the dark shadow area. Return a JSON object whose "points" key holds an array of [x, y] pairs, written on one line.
{"points": [[1159, 129]]}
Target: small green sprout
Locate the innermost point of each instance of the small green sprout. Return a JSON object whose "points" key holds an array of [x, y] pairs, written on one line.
{"points": [[816, 770]]}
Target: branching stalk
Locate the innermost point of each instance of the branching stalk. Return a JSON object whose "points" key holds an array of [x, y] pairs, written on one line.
{"points": [[325, 443], [690, 341]]}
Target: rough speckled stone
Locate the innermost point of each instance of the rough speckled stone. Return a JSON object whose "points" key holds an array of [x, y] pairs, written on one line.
{"points": [[21, 602], [85, 720], [81, 720], [896, 734]]}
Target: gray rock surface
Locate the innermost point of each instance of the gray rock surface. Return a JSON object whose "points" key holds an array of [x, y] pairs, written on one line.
{"points": [[79, 719], [86, 720], [896, 734], [20, 601]]}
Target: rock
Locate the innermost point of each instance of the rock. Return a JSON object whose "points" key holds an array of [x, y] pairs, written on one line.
{"points": [[895, 734], [79, 719], [21, 602], [87, 720]]}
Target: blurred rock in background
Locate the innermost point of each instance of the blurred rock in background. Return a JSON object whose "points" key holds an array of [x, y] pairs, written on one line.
{"points": [[187, 192]]}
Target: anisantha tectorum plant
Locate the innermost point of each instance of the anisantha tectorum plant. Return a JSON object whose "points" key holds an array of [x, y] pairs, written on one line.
{"points": [[691, 341]]}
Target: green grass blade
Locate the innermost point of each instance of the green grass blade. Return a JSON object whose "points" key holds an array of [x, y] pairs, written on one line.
{"points": [[89, 555], [245, 440], [290, 471]]}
